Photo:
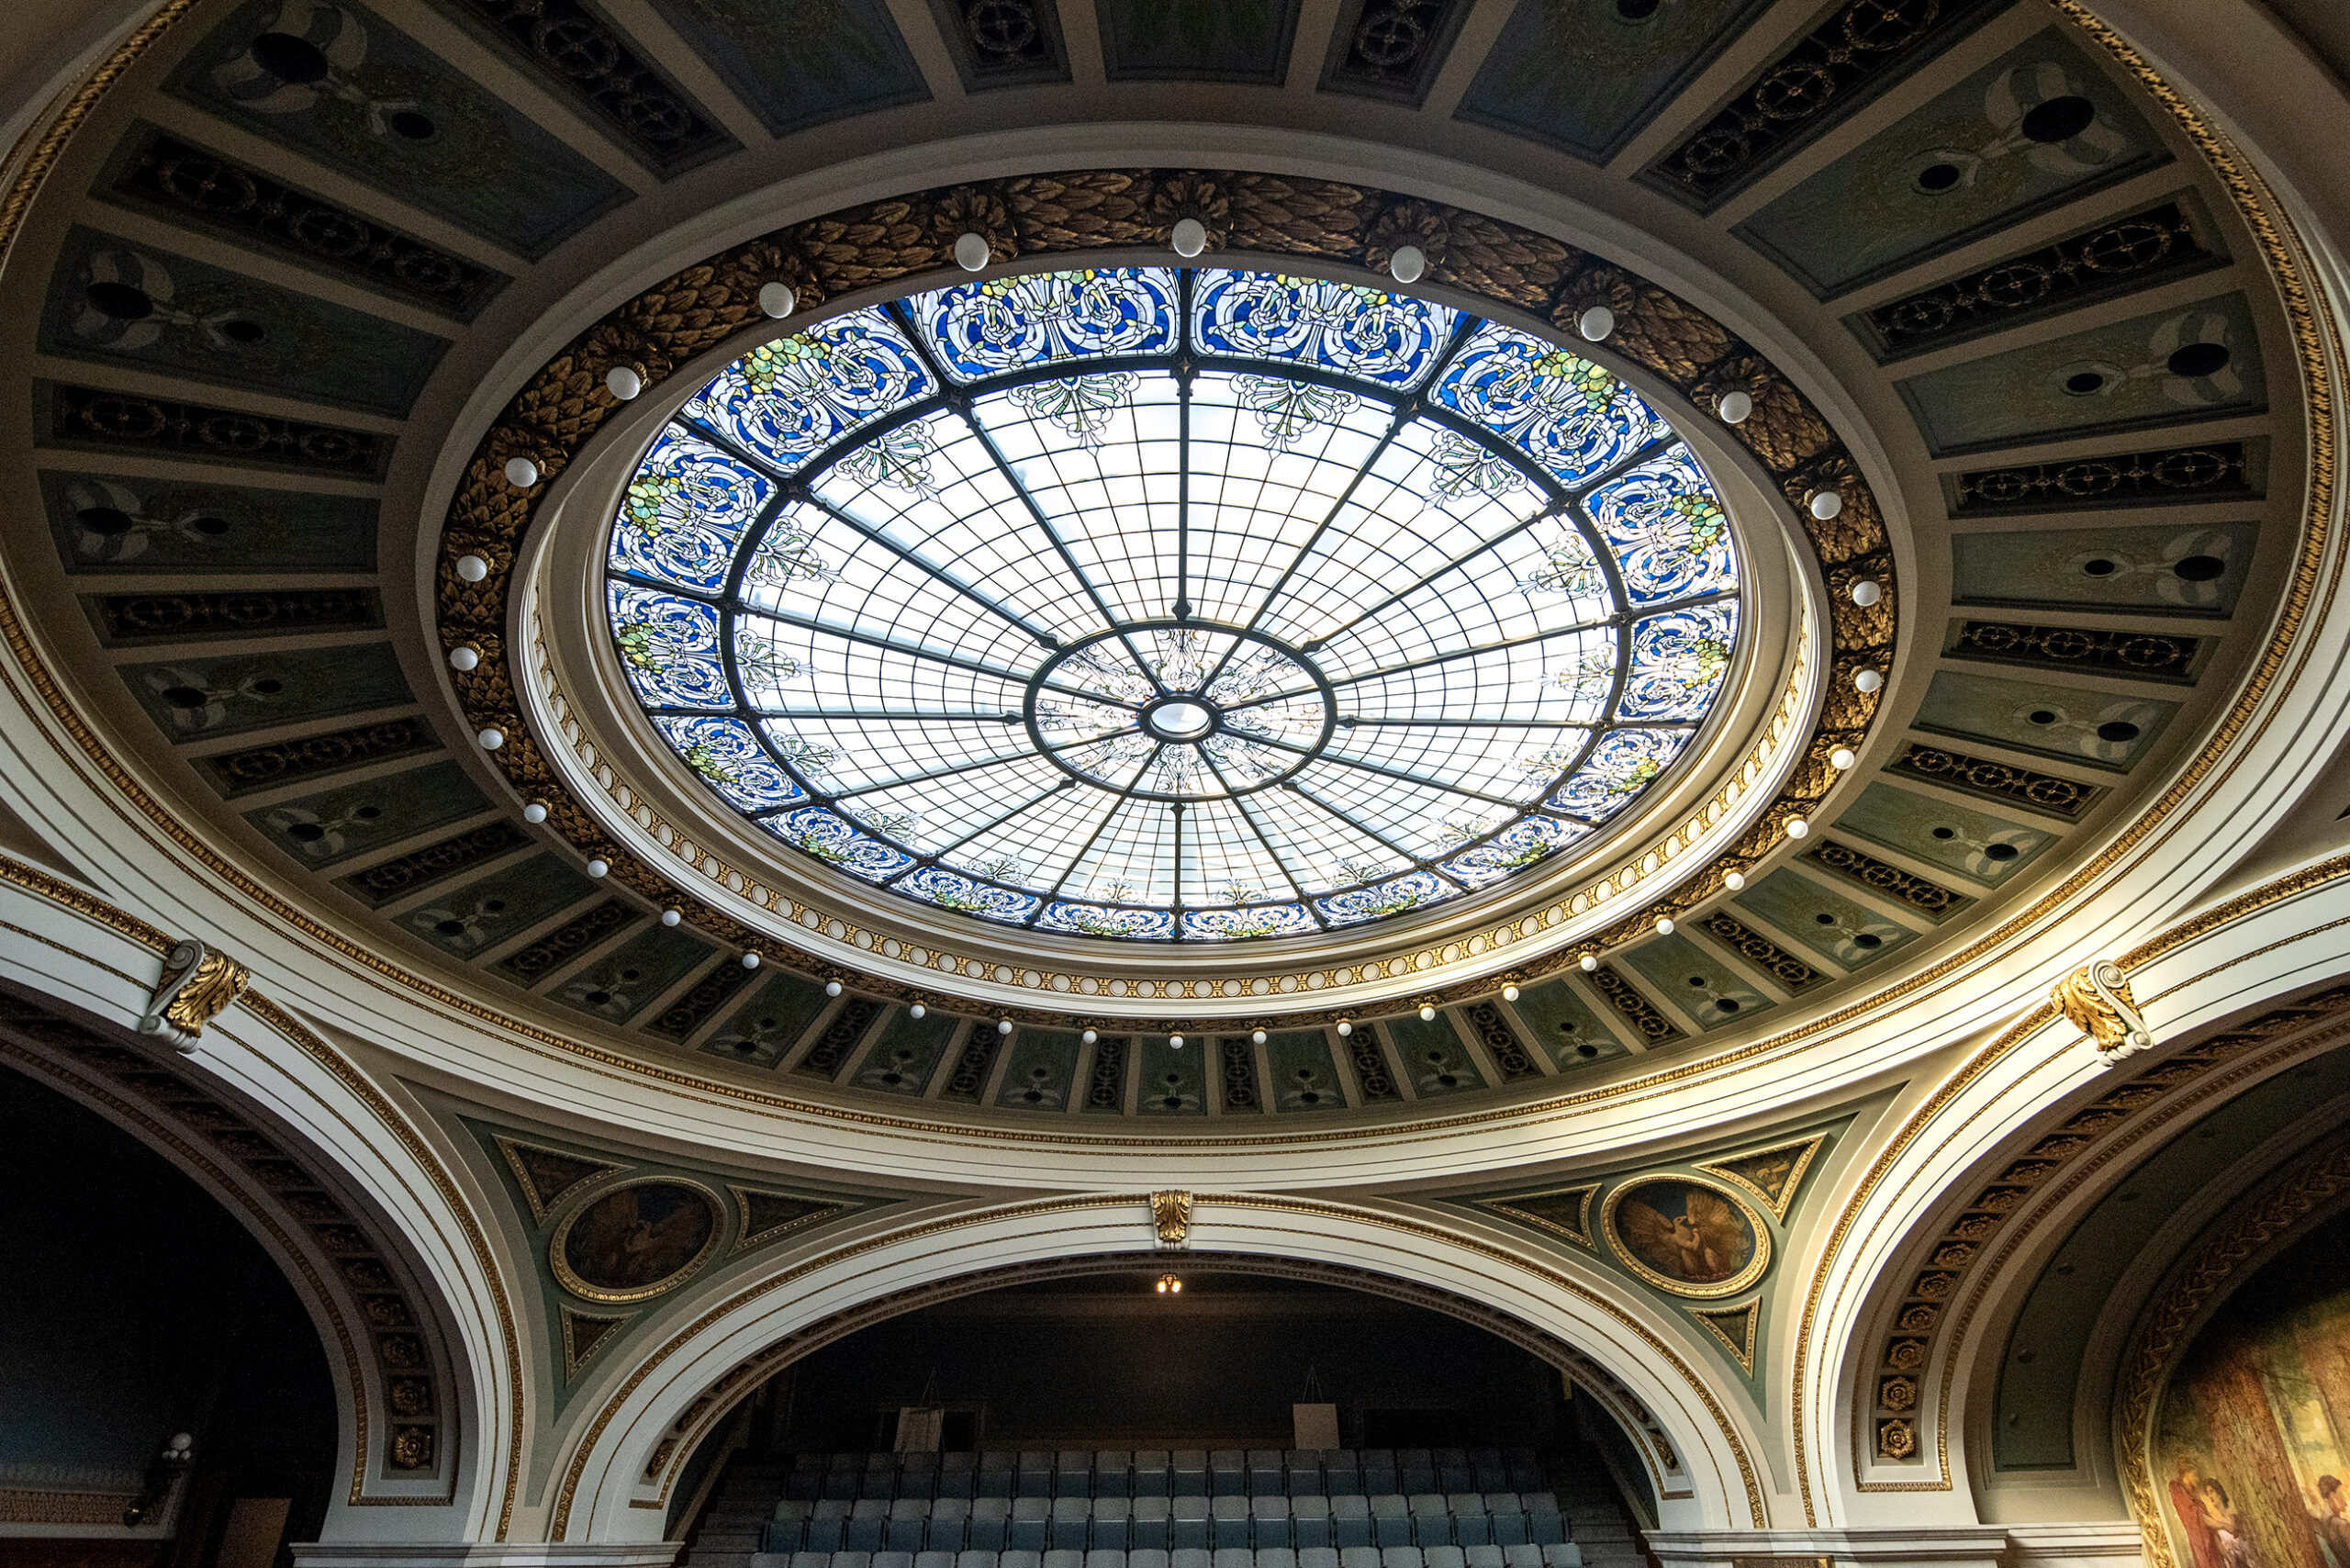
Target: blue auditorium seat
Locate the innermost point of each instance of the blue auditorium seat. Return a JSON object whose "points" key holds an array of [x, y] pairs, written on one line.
{"points": [[893, 1559], [1303, 1469], [909, 1520], [1342, 1472], [1150, 1530], [1391, 1521], [1032, 1520], [1525, 1469], [1351, 1522], [998, 1470], [1235, 1557], [1452, 1471], [1431, 1520], [812, 1560], [1230, 1513], [842, 1474], [1111, 1474], [1107, 1530], [1543, 1526], [770, 1560], [1317, 1557], [1470, 1527], [852, 1560], [1358, 1557], [981, 1560], [1020, 1560], [1036, 1474], [950, 1519], [1562, 1554], [1189, 1468], [934, 1559], [1401, 1557], [880, 1478], [1150, 1475], [958, 1474], [1415, 1470], [1267, 1477], [1378, 1467], [865, 1522], [826, 1526], [1270, 1524], [1276, 1557], [1073, 1472], [1506, 1518], [1106, 1557], [991, 1523], [1444, 1557], [1310, 1521], [1191, 1557], [1227, 1472], [1521, 1557], [1072, 1518], [1484, 1557], [1188, 1531], [1062, 1557], [1489, 1472], [1146, 1557]]}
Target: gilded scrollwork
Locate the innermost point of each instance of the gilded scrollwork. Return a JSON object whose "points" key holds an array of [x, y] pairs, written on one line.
{"points": [[198, 984], [2096, 1000]]}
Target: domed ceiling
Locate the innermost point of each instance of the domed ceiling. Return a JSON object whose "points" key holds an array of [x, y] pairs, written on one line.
{"points": [[1648, 522]]}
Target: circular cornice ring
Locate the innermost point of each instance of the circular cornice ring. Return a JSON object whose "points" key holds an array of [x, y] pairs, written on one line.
{"points": [[1029, 219], [1757, 1264], [559, 1262]]}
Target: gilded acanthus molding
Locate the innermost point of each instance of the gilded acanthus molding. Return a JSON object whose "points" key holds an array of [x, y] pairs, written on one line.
{"points": [[198, 984], [1171, 1216], [2096, 1000]]}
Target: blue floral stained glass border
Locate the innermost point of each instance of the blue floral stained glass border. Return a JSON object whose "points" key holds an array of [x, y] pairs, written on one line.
{"points": [[836, 569]]}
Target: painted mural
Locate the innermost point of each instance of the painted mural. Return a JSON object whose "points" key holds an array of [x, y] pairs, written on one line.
{"points": [[2252, 1446]]}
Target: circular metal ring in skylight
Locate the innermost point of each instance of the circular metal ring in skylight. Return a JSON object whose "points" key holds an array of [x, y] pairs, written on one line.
{"points": [[1173, 604]]}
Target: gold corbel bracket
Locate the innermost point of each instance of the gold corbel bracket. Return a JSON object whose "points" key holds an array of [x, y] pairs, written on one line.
{"points": [[198, 984], [2096, 999], [1171, 1216]]}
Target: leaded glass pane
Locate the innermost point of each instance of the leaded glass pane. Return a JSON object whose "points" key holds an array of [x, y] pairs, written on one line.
{"points": [[1118, 643]]}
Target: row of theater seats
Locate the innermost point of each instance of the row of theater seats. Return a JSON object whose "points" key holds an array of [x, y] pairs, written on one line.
{"points": [[943, 1525], [1161, 1472], [1562, 1554]]}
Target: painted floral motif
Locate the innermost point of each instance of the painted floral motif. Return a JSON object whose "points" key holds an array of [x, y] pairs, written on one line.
{"points": [[685, 511], [1666, 529], [1624, 763], [1678, 662], [1010, 323], [1363, 333], [1564, 411], [670, 648], [726, 755], [950, 555], [786, 402]]}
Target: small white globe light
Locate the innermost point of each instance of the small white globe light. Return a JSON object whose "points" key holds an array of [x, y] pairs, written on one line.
{"points": [[1798, 828], [1345, 1029], [1867, 680], [521, 473], [599, 867], [536, 812], [778, 299], [491, 739], [1509, 993], [1735, 408], [971, 253], [1427, 1014], [1175, 1042], [1088, 1037], [1841, 758], [1590, 962], [831, 987], [750, 961], [1827, 504], [1003, 1026], [1190, 238], [1664, 925], [464, 657], [472, 568], [1407, 264], [917, 1011], [624, 382], [1866, 592], [1258, 1036], [1735, 881], [1595, 323], [672, 916]]}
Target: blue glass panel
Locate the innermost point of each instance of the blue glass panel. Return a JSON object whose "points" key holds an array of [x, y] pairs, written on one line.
{"points": [[833, 840], [1619, 768], [1107, 920], [731, 761], [1514, 848], [787, 400], [1258, 920], [1010, 323], [1666, 529], [1341, 327], [685, 511], [952, 889], [1414, 890], [1678, 662], [1568, 414], [670, 646]]}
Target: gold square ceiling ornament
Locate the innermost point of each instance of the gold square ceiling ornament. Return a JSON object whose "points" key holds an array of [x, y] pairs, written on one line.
{"points": [[1566, 1211], [1774, 1174]]}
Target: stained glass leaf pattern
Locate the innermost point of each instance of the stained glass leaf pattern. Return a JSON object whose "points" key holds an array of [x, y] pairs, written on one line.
{"points": [[1666, 529], [685, 511], [1347, 329], [669, 647], [1564, 411], [1178, 621], [985, 329]]}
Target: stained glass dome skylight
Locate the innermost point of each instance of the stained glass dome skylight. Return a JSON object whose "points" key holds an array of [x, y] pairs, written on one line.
{"points": [[1172, 604]]}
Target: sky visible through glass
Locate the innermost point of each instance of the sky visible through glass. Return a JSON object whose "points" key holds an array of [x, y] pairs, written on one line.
{"points": [[1172, 604]]}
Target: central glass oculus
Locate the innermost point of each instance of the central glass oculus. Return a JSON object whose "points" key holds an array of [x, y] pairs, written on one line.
{"points": [[1173, 603]]}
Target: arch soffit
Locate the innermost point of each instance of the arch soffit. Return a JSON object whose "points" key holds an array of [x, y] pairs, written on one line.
{"points": [[2018, 1137], [627, 1448]]}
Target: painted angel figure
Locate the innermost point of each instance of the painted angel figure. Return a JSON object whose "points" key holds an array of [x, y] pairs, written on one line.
{"points": [[1705, 1242]]}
